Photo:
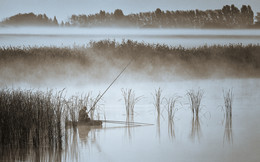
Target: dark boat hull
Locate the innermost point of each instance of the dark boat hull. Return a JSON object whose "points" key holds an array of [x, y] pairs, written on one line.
{"points": [[89, 123]]}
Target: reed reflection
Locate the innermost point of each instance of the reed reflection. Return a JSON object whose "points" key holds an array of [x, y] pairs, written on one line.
{"points": [[171, 130], [171, 110], [158, 126], [157, 104], [72, 148], [129, 126], [130, 101], [228, 100], [30, 154], [195, 127], [195, 102]]}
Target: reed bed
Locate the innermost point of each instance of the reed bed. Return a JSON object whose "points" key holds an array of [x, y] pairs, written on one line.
{"points": [[36, 118], [228, 60], [195, 101], [30, 116]]}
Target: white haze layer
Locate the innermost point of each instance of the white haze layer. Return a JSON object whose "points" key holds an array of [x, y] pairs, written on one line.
{"points": [[46, 36]]}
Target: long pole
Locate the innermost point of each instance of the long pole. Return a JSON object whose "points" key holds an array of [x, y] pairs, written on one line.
{"points": [[110, 86]]}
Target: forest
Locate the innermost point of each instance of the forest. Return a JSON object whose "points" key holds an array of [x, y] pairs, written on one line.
{"points": [[229, 16], [29, 19]]}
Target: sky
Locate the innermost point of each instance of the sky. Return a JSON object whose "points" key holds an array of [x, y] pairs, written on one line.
{"points": [[63, 9]]}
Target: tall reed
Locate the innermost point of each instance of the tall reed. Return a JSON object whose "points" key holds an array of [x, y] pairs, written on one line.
{"points": [[29, 115], [171, 110], [94, 106], [130, 100], [195, 98], [157, 101], [228, 101], [157, 104], [36, 117], [195, 101], [171, 107]]}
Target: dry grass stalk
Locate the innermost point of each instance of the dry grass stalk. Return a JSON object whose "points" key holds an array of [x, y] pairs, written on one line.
{"points": [[157, 101], [171, 110], [130, 100], [195, 100]]}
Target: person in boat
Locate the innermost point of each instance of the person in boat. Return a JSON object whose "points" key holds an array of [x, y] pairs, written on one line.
{"points": [[83, 115]]}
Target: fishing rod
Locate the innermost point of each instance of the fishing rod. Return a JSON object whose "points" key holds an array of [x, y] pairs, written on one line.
{"points": [[126, 123], [93, 106]]}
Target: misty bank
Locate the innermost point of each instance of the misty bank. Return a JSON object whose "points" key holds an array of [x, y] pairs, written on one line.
{"points": [[99, 60]]}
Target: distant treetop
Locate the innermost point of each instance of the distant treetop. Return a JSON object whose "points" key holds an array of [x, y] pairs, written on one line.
{"points": [[227, 17], [30, 19]]}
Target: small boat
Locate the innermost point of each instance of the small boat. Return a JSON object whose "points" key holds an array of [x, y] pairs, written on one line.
{"points": [[91, 123], [87, 123]]}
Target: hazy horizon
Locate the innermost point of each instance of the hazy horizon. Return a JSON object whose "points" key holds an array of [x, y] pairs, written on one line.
{"points": [[52, 8]]}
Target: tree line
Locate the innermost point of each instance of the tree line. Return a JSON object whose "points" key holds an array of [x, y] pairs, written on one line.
{"points": [[228, 17], [30, 19]]}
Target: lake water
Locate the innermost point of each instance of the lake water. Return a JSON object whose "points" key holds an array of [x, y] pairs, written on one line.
{"points": [[23, 36], [210, 137]]}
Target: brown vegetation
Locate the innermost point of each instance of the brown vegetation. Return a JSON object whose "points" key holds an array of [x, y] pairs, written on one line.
{"points": [[36, 118], [150, 60]]}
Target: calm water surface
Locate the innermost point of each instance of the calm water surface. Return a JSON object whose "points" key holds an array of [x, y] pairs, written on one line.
{"points": [[210, 137], [23, 36]]}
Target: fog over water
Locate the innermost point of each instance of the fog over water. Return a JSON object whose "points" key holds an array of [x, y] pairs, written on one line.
{"points": [[11, 7], [47, 72], [211, 136], [32, 36]]}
